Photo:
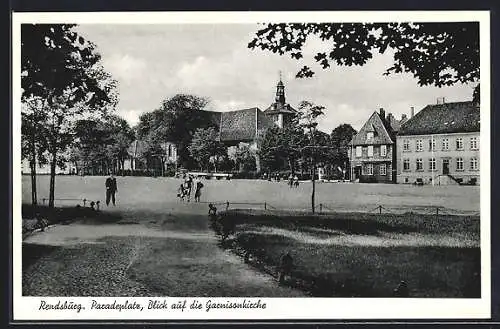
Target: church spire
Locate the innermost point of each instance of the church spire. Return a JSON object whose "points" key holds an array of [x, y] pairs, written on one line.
{"points": [[280, 92]]}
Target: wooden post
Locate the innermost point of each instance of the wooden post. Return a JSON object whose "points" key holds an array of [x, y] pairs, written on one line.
{"points": [[380, 209], [265, 205], [227, 205], [320, 207], [437, 211]]}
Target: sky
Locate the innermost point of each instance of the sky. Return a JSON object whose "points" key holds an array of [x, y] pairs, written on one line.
{"points": [[154, 62]]}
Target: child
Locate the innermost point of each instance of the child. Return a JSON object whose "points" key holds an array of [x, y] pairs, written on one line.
{"points": [[181, 192]]}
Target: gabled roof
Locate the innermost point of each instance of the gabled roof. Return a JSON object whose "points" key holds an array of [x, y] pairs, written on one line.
{"points": [[376, 125], [444, 118], [238, 125]]}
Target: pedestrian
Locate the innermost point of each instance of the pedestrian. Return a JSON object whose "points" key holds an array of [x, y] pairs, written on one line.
{"points": [[111, 189], [197, 193], [290, 180], [189, 187], [285, 268], [181, 192], [296, 181]]}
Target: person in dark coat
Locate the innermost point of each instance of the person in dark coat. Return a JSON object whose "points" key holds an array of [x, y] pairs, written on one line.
{"points": [[197, 193], [110, 189]]}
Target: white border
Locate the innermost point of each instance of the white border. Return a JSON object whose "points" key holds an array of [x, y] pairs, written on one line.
{"points": [[26, 308]]}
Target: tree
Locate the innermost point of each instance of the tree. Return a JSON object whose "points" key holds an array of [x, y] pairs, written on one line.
{"points": [[33, 148], [119, 139], [62, 68], [439, 54], [281, 147], [244, 158], [102, 143], [176, 121], [309, 115], [340, 138], [206, 146]]}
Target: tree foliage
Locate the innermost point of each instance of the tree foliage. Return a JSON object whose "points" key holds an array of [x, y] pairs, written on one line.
{"points": [[205, 147], [62, 69], [340, 138], [244, 158], [434, 53], [175, 121], [101, 144]]}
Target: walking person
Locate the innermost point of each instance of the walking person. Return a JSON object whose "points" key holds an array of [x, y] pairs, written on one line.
{"points": [[197, 193], [295, 181], [111, 189], [189, 187]]}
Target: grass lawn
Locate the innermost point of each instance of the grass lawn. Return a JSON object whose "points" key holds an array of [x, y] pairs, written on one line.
{"points": [[153, 193], [363, 255]]}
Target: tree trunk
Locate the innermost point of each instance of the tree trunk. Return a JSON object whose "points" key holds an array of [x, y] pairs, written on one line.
{"points": [[290, 164], [34, 199], [313, 186], [52, 177]]}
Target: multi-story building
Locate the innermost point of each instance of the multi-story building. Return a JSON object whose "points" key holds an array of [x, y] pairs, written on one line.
{"points": [[372, 156], [440, 145]]}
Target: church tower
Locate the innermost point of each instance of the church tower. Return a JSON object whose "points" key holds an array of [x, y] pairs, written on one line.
{"points": [[280, 112]]}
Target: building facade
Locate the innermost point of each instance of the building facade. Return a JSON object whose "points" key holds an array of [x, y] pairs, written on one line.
{"points": [[372, 156], [440, 145]]}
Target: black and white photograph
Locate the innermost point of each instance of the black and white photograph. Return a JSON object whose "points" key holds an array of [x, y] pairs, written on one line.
{"points": [[192, 165]]}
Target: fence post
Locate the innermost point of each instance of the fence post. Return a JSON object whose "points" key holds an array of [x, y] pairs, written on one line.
{"points": [[320, 207], [437, 211], [380, 209], [227, 205], [265, 205]]}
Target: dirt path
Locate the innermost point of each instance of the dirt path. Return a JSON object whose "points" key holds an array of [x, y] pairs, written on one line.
{"points": [[165, 250]]}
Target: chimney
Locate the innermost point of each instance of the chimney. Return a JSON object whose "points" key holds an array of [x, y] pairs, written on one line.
{"points": [[390, 117], [412, 112], [382, 113], [403, 117]]}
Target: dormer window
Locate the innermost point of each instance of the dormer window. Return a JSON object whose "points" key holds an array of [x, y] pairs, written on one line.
{"points": [[369, 135]]}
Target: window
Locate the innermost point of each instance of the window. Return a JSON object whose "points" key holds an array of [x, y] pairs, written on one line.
{"points": [[358, 151], [460, 144], [383, 169], [473, 143], [432, 144], [370, 150], [420, 164], [418, 146], [369, 135], [368, 169], [383, 150], [473, 164], [406, 164], [445, 144], [432, 164], [406, 145], [460, 164]]}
